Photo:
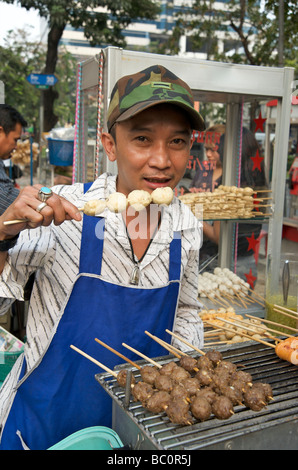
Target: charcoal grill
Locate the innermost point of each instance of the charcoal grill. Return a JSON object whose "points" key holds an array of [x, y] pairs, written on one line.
{"points": [[274, 427]]}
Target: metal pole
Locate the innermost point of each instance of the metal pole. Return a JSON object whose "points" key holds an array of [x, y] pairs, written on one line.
{"points": [[281, 19]]}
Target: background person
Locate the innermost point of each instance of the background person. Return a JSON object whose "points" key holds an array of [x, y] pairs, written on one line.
{"points": [[11, 126]]}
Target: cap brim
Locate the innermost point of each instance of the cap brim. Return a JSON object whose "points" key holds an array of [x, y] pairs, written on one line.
{"points": [[196, 120]]}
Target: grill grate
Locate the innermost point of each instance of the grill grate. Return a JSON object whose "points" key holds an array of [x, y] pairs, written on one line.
{"points": [[262, 363]]}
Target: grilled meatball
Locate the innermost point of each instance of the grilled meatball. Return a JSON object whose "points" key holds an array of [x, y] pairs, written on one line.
{"points": [[168, 368], [214, 356], [204, 362], [266, 389], [227, 366], [207, 393], [163, 382], [191, 385], [142, 391], [179, 374], [188, 363], [219, 381], [121, 378], [200, 408], [204, 376], [158, 402], [179, 392], [233, 393], [222, 407], [243, 386], [178, 412], [255, 398], [241, 375], [149, 374]]}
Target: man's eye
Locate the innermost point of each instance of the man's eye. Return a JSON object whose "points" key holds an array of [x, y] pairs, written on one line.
{"points": [[178, 141]]}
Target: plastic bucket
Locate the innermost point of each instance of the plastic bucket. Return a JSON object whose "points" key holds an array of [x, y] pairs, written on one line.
{"points": [[60, 152], [93, 438], [7, 360]]}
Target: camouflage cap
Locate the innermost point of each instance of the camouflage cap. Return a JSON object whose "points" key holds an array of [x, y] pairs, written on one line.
{"points": [[154, 85]]}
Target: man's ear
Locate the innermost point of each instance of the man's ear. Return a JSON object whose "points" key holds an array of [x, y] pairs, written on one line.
{"points": [[109, 145]]}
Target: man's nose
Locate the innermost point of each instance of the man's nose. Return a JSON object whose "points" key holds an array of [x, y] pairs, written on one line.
{"points": [[160, 156]]}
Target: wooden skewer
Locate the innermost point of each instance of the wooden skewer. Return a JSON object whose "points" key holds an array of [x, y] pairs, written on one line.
{"points": [[94, 360], [217, 342], [15, 221], [245, 327], [266, 328], [247, 336], [118, 353], [285, 313], [256, 294], [164, 344], [186, 342], [273, 323], [286, 309], [142, 355]]}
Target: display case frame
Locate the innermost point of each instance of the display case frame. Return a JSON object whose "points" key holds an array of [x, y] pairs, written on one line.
{"points": [[229, 84]]}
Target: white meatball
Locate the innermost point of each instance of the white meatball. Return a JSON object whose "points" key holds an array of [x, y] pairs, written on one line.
{"points": [[139, 199], [94, 207], [117, 202], [162, 195]]}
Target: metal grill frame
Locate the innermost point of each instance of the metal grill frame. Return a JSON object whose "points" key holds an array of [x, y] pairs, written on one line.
{"points": [[274, 427]]}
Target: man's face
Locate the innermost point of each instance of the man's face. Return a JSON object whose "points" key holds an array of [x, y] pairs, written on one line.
{"points": [[8, 142], [152, 149]]}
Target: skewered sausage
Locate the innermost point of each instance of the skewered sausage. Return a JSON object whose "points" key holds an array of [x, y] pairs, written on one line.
{"points": [[288, 350]]}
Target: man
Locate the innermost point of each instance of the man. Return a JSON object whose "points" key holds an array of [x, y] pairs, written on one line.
{"points": [[85, 284], [11, 124]]}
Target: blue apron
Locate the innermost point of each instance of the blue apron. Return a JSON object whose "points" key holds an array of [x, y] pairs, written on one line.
{"points": [[60, 395]]}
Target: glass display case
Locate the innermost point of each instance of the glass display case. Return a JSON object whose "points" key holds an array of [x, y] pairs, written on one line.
{"points": [[228, 93]]}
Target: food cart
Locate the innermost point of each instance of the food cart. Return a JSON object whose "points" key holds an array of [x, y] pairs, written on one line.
{"points": [[232, 87]]}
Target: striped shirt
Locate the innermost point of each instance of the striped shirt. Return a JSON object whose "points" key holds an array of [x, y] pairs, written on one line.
{"points": [[53, 254], [8, 192]]}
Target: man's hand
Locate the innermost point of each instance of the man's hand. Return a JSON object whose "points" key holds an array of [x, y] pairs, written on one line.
{"points": [[57, 210]]}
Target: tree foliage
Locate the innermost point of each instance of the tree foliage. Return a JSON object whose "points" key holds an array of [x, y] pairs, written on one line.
{"points": [[256, 29], [20, 57], [102, 21]]}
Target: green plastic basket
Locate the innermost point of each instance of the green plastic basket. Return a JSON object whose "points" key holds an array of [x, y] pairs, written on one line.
{"points": [[93, 438], [7, 360]]}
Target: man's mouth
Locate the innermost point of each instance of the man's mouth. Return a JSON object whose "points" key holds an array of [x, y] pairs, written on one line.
{"points": [[158, 182]]}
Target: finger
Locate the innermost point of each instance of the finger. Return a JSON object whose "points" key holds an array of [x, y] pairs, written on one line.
{"points": [[63, 209]]}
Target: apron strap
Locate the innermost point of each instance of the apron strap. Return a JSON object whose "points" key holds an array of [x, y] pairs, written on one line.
{"points": [[91, 258], [175, 257]]}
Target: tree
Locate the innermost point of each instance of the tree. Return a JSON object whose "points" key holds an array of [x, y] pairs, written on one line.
{"points": [[103, 22], [257, 31], [20, 57]]}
